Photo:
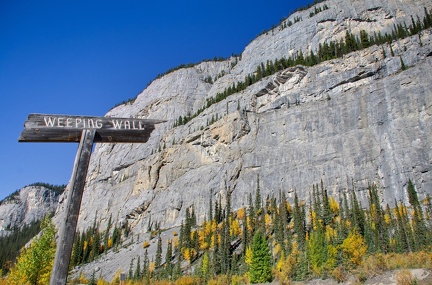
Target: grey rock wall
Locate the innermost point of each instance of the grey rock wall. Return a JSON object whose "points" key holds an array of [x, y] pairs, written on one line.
{"points": [[348, 122], [30, 204]]}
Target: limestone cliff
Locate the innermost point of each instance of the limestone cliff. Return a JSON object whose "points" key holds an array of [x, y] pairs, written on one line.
{"points": [[350, 121], [27, 205]]}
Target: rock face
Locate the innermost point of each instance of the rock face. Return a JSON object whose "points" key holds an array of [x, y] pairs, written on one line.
{"points": [[348, 122], [28, 205]]}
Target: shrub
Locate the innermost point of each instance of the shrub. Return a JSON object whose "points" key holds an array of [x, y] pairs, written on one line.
{"points": [[160, 282], [339, 274], [238, 280], [403, 277], [187, 280], [219, 280]]}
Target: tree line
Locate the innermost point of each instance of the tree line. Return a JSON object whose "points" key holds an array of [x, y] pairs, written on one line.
{"points": [[272, 238], [11, 244]]}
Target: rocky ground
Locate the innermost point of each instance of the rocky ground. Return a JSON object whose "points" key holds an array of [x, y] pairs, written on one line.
{"points": [[394, 277]]}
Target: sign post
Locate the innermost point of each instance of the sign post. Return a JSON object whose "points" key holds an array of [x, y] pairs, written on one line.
{"points": [[85, 130]]}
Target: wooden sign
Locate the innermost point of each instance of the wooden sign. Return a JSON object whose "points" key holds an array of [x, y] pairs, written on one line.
{"points": [[85, 130], [64, 128]]}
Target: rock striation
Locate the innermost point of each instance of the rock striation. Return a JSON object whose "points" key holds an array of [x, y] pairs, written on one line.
{"points": [[359, 119]]}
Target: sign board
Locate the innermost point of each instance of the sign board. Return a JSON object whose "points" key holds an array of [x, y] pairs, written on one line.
{"points": [[64, 128], [85, 130]]}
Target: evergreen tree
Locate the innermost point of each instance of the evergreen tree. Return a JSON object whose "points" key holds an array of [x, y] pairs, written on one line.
{"points": [[378, 227], [137, 274], [401, 234], [364, 39], [107, 233], [146, 263], [130, 274], [317, 249], [357, 215], [420, 230], [92, 279], [299, 223], [403, 66], [77, 250], [116, 235], [258, 199], [216, 262], [211, 207], [260, 268], [168, 259], [251, 214], [350, 42], [412, 195], [245, 236], [205, 267], [158, 257], [95, 243], [285, 219], [327, 215]]}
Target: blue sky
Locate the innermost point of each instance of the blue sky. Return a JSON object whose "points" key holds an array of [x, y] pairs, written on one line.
{"points": [[84, 57]]}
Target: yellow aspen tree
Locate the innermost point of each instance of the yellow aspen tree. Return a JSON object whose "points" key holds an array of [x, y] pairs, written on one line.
{"points": [[248, 257], [35, 263], [354, 247], [334, 205], [241, 214], [235, 229]]}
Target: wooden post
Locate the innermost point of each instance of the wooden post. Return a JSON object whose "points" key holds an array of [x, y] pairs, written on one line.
{"points": [[73, 205], [86, 130]]}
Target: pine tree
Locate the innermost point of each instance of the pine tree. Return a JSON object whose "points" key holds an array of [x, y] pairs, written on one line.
{"points": [[137, 274], [205, 267], [168, 259], [357, 214], [378, 227], [317, 249], [211, 207], [245, 236], [146, 263], [258, 199], [107, 233], [420, 231], [251, 214], [364, 39], [77, 250], [260, 268], [403, 66], [284, 219], [412, 195], [401, 234], [216, 262], [350, 42], [327, 215], [158, 257], [299, 223], [130, 274]]}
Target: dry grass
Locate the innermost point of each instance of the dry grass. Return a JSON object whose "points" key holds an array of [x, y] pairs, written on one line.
{"points": [[404, 277], [376, 264]]}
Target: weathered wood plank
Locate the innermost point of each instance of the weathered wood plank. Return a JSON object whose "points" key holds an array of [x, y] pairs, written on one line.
{"points": [[74, 135], [86, 122], [73, 205]]}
